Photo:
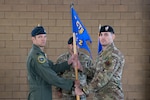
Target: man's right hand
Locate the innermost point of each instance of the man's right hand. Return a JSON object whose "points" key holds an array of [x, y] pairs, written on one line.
{"points": [[59, 94], [71, 59], [75, 62], [78, 91]]}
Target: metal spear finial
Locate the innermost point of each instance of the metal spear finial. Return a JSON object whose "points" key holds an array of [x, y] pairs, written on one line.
{"points": [[71, 5]]}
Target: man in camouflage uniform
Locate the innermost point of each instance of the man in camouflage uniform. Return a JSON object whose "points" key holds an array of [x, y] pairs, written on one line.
{"points": [[85, 61], [106, 83]]}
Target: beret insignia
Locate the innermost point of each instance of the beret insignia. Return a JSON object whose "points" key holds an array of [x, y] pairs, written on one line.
{"points": [[106, 28], [41, 59]]}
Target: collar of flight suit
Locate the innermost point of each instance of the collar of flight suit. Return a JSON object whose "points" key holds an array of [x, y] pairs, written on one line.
{"points": [[35, 47]]}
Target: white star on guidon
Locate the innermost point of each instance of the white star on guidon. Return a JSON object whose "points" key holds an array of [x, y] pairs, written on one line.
{"points": [[75, 17]]}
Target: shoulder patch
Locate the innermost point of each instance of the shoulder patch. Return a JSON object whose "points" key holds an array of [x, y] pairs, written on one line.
{"points": [[41, 59]]}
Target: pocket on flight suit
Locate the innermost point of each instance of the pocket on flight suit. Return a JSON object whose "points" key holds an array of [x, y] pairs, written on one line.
{"points": [[34, 95]]}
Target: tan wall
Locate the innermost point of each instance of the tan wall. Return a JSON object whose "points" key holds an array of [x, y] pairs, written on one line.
{"points": [[130, 19]]}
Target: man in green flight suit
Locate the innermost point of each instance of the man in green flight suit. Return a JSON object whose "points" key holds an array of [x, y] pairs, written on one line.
{"points": [[106, 83], [42, 71], [85, 61]]}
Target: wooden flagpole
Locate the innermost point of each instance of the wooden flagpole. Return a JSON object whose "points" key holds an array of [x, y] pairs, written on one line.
{"points": [[99, 30], [99, 34], [76, 70]]}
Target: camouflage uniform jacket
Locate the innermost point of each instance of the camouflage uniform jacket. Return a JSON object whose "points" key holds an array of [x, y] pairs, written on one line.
{"points": [[86, 63], [106, 83]]}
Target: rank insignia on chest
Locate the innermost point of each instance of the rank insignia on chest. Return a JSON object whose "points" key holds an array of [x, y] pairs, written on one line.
{"points": [[41, 59], [107, 63]]}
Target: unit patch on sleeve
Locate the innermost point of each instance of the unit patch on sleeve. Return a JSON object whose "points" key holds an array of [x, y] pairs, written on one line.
{"points": [[41, 59]]}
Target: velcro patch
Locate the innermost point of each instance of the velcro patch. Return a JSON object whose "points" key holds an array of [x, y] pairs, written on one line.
{"points": [[41, 59]]}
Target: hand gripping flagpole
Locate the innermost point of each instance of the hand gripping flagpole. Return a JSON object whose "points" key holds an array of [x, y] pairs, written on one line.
{"points": [[76, 70]]}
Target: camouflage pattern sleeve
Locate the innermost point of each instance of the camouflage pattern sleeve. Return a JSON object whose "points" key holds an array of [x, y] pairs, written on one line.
{"points": [[90, 73], [63, 57], [87, 64]]}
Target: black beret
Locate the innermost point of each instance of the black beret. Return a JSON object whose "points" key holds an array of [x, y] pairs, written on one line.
{"points": [[106, 28], [70, 41], [38, 30]]}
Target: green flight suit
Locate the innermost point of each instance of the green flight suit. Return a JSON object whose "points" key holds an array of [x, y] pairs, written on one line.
{"points": [[42, 75]]}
